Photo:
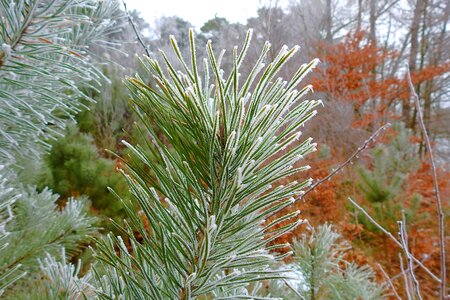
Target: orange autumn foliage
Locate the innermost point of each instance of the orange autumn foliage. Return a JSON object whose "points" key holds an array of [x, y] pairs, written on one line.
{"points": [[350, 72], [319, 206]]}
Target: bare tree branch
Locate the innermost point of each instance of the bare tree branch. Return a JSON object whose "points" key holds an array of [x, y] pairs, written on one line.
{"points": [[405, 278], [440, 212], [341, 166], [141, 41], [389, 282], [404, 240], [349, 160], [372, 220]]}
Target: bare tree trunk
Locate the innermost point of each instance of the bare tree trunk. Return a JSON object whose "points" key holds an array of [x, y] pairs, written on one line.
{"points": [[435, 58], [329, 22], [372, 20], [414, 50], [359, 18]]}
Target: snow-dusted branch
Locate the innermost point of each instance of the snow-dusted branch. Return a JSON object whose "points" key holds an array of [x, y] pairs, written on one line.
{"points": [[392, 237], [136, 31], [439, 209]]}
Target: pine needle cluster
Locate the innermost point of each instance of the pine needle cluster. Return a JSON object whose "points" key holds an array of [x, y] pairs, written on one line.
{"points": [[212, 184]]}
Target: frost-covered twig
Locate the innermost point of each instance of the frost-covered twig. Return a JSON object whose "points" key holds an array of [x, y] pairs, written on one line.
{"points": [[348, 161], [391, 236], [405, 278], [404, 240], [389, 282], [141, 41], [440, 211]]}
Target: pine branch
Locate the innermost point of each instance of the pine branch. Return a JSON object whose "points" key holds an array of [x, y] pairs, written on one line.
{"points": [[44, 66], [29, 10], [319, 270], [7, 200], [204, 232]]}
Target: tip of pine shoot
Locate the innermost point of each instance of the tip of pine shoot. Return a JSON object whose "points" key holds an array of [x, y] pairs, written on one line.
{"points": [[300, 222]]}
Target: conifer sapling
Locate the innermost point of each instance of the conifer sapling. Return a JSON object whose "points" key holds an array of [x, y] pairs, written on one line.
{"points": [[205, 193]]}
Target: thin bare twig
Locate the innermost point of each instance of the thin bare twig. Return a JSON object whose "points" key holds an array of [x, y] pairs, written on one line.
{"points": [[440, 212], [395, 277], [141, 41], [404, 240], [345, 163], [374, 222], [341, 166], [405, 278], [389, 282]]}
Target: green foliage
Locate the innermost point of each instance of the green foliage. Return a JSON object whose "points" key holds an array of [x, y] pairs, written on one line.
{"points": [[62, 280], [44, 50], [59, 279], [74, 167], [382, 183], [110, 117], [320, 271], [8, 196], [205, 201], [45, 61], [40, 227]]}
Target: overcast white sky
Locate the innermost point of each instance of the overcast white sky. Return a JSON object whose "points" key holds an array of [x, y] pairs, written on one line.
{"points": [[197, 12]]}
